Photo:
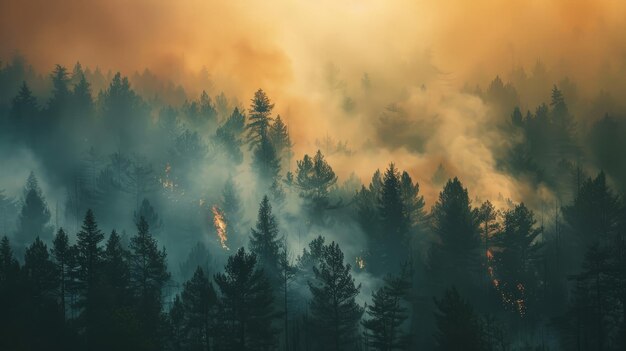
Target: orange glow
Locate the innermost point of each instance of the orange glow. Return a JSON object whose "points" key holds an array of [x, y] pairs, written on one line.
{"points": [[220, 226]]}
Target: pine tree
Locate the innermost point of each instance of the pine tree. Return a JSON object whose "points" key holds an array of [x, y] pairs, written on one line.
{"points": [[516, 259], [454, 256], [82, 101], [89, 259], [40, 271], [176, 316], [117, 269], [8, 213], [199, 301], [266, 163], [287, 275], [334, 313], [413, 204], [264, 240], [11, 299], [90, 253], [34, 216], [248, 305], [393, 244], [458, 327], [595, 214], [8, 264], [63, 255], [259, 118], [148, 276], [388, 312], [314, 178], [279, 136], [24, 112], [60, 91]]}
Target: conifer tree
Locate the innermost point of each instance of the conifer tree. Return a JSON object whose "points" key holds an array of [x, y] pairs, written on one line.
{"points": [[60, 91], [516, 259], [117, 269], [260, 118], [40, 270], [279, 136], [24, 112], [199, 301], [247, 303], [393, 242], [334, 313], [387, 314], [34, 216], [264, 240], [63, 258], [458, 327], [148, 276], [413, 204], [266, 163], [314, 178], [89, 260], [454, 256]]}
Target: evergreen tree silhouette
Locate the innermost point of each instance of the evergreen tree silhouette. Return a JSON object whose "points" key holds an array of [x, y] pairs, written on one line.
{"points": [[334, 313], [248, 305], [34, 215]]}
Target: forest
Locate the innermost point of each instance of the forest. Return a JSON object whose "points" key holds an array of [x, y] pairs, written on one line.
{"points": [[143, 224]]}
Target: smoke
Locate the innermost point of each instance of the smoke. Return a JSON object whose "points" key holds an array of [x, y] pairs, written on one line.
{"points": [[383, 77]]}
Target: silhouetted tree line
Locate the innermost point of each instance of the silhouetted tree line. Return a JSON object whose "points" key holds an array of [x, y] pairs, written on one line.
{"points": [[463, 276]]}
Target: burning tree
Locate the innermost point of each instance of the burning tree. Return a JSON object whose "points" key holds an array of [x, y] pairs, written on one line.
{"points": [[220, 226]]}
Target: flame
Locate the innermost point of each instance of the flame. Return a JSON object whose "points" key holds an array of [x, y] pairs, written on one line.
{"points": [[167, 182], [508, 298], [360, 262], [220, 226]]}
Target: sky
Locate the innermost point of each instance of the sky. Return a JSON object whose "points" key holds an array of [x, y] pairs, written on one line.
{"points": [[309, 56]]}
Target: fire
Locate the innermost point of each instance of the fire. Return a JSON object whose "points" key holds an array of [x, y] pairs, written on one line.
{"points": [[220, 226], [360, 262], [489, 255]]}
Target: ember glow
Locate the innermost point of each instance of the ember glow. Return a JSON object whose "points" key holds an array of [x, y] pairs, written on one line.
{"points": [[360, 262], [220, 226]]}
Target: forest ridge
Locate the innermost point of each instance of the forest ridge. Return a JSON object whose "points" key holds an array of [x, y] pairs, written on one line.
{"points": [[195, 226]]}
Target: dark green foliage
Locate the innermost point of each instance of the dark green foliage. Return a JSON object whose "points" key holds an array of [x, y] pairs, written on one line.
{"points": [[229, 136], [199, 302], [63, 256], [278, 133], [247, 305], [454, 256], [264, 240], [384, 329], [314, 178], [594, 216], [34, 216], [148, 276], [40, 271], [334, 312], [516, 258], [393, 241], [266, 163], [260, 118], [458, 327], [202, 112]]}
